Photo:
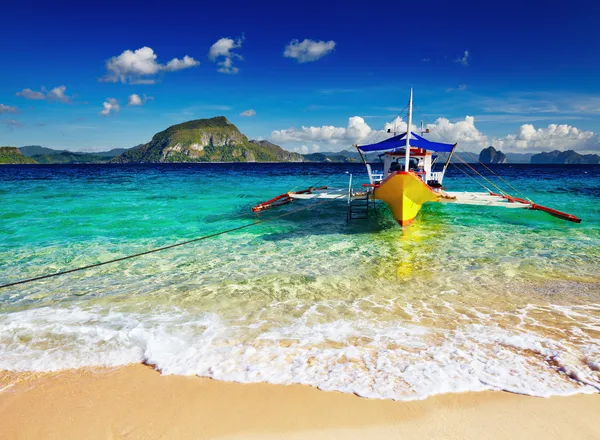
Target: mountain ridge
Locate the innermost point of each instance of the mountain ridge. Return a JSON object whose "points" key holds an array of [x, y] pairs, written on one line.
{"points": [[205, 140]]}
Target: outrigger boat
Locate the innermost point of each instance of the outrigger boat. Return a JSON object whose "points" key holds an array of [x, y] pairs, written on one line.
{"points": [[412, 176]]}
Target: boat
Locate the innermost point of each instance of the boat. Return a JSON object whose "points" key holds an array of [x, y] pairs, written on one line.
{"points": [[413, 170]]}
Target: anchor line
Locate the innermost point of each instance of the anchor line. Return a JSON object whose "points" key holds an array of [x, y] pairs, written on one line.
{"points": [[171, 246]]}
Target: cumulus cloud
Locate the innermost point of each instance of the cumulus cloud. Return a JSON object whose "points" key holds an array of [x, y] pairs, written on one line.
{"points": [[111, 105], [56, 94], [7, 109], [248, 113], [31, 94], [308, 50], [139, 66], [222, 53], [177, 64], [554, 137], [356, 129], [462, 131], [464, 60], [136, 100]]}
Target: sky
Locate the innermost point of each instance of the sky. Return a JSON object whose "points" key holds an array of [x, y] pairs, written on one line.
{"points": [[309, 76]]}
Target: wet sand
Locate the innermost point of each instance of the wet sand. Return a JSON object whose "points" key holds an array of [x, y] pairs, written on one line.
{"points": [[136, 402]]}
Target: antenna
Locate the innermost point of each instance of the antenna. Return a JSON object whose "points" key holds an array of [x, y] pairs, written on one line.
{"points": [[408, 127]]}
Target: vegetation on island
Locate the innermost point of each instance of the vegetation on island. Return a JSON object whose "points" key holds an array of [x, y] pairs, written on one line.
{"points": [[46, 155], [12, 155], [205, 140], [568, 157], [218, 140]]}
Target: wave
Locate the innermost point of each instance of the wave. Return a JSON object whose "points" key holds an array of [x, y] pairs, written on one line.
{"points": [[386, 359]]}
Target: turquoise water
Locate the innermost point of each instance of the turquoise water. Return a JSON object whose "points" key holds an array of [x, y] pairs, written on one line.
{"points": [[468, 298]]}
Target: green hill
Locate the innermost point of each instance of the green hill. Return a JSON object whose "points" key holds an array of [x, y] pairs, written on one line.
{"points": [[12, 155], [70, 157], [568, 157], [205, 140], [49, 155]]}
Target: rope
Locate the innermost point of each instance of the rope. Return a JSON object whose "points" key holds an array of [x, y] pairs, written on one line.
{"points": [[465, 163], [486, 167], [471, 177], [483, 177], [151, 251], [500, 177]]}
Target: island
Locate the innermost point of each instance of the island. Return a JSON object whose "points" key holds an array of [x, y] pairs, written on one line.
{"points": [[12, 155], [205, 140], [218, 140]]}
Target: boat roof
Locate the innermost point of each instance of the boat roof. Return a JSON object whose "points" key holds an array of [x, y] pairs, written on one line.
{"points": [[399, 142]]}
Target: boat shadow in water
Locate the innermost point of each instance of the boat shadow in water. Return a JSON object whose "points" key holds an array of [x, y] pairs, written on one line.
{"points": [[325, 220]]}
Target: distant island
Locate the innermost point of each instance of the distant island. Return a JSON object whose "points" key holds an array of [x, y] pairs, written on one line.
{"points": [[218, 140], [13, 155], [205, 140], [490, 155]]}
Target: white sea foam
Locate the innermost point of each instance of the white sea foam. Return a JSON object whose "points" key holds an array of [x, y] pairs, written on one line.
{"points": [[395, 359]]}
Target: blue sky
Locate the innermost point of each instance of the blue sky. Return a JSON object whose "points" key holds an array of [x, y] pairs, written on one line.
{"points": [[526, 72]]}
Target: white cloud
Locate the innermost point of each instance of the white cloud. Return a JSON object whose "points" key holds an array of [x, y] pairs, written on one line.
{"points": [[58, 94], [55, 94], [134, 100], [226, 66], [464, 132], [464, 60], [248, 113], [31, 94], [111, 105], [308, 50], [356, 129], [139, 66], [176, 64], [7, 109], [554, 137], [221, 53]]}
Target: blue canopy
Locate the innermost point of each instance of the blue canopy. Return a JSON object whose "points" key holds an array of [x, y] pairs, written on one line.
{"points": [[397, 142]]}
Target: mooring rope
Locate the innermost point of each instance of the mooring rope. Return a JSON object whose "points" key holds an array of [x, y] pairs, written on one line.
{"points": [[171, 246]]}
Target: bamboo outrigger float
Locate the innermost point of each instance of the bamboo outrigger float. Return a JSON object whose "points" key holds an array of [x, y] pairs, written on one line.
{"points": [[412, 176]]}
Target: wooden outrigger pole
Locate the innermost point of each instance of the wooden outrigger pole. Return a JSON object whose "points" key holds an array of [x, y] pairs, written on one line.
{"points": [[536, 207], [283, 199]]}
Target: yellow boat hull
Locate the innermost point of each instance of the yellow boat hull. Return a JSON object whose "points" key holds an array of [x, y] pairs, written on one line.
{"points": [[405, 193]]}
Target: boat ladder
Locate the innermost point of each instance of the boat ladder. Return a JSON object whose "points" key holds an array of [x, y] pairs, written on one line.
{"points": [[358, 207]]}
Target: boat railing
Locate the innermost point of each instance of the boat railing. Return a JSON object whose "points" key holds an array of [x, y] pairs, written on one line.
{"points": [[438, 175], [376, 176]]}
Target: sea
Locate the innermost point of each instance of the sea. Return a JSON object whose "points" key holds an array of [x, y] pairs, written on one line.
{"points": [[468, 298]]}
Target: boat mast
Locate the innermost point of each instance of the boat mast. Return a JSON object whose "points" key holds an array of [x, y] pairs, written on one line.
{"points": [[407, 159]]}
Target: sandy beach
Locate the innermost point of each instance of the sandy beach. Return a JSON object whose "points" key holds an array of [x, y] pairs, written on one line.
{"points": [[136, 402]]}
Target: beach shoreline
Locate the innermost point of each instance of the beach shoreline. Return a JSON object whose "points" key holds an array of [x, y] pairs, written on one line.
{"points": [[137, 402]]}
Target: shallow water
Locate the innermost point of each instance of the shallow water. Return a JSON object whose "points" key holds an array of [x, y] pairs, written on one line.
{"points": [[468, 298]]}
